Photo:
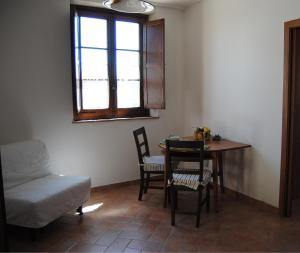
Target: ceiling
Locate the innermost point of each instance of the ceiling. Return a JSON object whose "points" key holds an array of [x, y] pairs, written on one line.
{"points": [[180, 4], [174, 3]]}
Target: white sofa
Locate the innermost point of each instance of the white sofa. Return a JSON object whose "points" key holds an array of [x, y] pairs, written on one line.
{"points": [[34, 196]]}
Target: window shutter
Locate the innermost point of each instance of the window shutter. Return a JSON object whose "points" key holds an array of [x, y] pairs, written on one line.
{"points": [[154, 64]]}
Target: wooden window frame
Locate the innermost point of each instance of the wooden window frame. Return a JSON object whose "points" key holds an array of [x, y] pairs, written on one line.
{"points": [[112, 112]]}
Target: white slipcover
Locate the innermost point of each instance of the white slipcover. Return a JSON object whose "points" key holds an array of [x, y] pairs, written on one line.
{"points": [[23, 162], [33, 196], [40, 201]]}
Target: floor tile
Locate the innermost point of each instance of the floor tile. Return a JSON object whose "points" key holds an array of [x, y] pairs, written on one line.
{"points": [[108, 237], [87, 248], [118, 245], [145, 245], [124, 224]]}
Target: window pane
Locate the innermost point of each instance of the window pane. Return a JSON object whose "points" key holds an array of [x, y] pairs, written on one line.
{"points": [[77, 75], [128, 79], [76, 32], [95, 94], [128, 66], [128, 94], [93, 32], [77, 63], [94, 64], [78, 99], [128, 35]]}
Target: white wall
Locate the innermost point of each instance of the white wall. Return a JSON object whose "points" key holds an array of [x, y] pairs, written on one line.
{"points": [[234, 83], [36, 101], [224, 65]]}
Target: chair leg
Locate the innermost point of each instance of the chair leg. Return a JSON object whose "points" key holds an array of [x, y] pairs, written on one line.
{"points": [[147, 183], [141, 186], [199, 207], [176, 199], [172, 190], [207, 199]]}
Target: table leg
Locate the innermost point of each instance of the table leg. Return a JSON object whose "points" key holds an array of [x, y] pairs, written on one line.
{"points": [[165, 183], [221, 175], [215, 181]]}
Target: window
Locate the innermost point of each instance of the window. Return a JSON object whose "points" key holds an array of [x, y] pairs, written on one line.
{"points": [[112, 65]]}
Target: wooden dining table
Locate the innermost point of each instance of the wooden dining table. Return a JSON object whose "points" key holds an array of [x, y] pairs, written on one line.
{"points": [[214, 152]]}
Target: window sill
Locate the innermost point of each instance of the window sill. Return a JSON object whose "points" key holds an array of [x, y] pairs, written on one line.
{"points": [[111, 120]]}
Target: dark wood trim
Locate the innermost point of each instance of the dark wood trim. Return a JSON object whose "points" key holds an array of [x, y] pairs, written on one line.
{"points": [[287, 133], [3, 226]]}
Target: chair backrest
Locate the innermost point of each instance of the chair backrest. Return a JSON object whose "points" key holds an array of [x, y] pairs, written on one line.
{"points": [[23, 162], [141, 142], [185, 151]]}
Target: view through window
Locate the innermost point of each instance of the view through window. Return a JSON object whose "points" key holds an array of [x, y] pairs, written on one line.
{"points": [[94, 63]]}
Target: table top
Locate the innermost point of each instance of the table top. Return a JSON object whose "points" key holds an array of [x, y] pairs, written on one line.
{"points": [[215, 146]]}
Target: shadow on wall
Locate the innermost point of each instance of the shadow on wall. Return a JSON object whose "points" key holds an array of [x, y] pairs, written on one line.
{"points": [[238, 169], [15, 124]]}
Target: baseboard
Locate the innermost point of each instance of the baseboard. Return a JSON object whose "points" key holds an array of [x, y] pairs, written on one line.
{"points": [[254, 202], [118, 185], [240, 196], [113, 186]]}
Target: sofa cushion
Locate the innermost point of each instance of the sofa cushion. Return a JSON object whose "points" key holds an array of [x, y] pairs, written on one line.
{"points": [[40, 201], [23, 162]]}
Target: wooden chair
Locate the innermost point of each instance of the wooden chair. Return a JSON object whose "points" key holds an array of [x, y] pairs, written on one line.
{"points": [[149, 165], [187, 179]]}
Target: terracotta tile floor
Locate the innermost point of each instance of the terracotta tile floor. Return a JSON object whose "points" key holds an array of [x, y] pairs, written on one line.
{"points": [[123, 224]]}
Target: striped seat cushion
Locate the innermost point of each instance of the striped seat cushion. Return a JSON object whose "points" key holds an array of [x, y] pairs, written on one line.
{"points": [[153, 163], [190, 180]]}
